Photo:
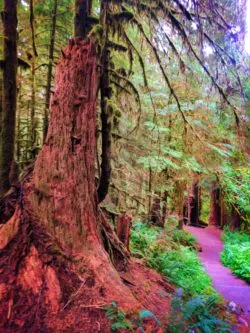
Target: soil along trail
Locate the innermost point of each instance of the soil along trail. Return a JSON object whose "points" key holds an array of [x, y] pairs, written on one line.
{"points": [[228, 285]]}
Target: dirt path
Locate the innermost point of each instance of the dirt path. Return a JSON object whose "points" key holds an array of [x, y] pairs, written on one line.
{"points": [[228, 285]]}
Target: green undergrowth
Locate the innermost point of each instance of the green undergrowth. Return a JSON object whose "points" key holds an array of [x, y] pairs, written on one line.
{"points": [[199, 314], [195, 306], [172, 253], [236, 253]]}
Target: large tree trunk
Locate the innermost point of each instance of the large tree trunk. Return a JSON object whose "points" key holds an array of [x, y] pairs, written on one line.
{"points": [[54, 260], [7, 148], [215, 207]]}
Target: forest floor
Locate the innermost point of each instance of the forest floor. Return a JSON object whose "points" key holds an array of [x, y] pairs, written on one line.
{"points": [[228, 285]]}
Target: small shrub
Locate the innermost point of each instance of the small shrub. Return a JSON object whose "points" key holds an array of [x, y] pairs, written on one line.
{"points": [[198, 314], [117, 317], [184, 238]]}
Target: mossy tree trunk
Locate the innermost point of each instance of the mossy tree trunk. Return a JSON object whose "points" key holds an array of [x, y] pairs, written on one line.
{"points": [[56, 248], [7, 148]]}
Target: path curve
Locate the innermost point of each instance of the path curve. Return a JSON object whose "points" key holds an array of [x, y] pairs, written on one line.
{"points": [[227, 284]]}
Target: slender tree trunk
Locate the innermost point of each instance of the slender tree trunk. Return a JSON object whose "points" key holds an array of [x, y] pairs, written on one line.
{"points": [[106, 111], [215, 207], [50, 69], [9, 17], [33, 109], [236, 218], [106, 119], [194, 204], [164, 207], [150, 178], [1, 108], [33, 84], [180, 187], [18, 144], [155, 214], [82, 10]]}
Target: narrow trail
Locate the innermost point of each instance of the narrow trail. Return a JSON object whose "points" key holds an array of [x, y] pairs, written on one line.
{"points": [[227, 284]]}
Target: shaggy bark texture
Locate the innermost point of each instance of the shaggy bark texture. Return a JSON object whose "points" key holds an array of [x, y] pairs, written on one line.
{"points": [[59, 257]]}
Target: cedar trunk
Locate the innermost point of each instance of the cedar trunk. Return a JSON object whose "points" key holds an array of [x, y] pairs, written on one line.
{"points": [[9, 17], [54, 260]]}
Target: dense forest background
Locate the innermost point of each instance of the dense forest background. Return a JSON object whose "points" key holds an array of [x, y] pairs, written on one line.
{"points": [[145, 118], [166, 134]]}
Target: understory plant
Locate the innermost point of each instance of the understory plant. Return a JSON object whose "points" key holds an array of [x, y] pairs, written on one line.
{"points": [[195, 307], [163, 251], [236, 253], [197, 314]]}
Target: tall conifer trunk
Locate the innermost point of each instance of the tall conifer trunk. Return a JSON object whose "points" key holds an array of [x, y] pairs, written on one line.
{"points": [[7, 148], [57, 244]]}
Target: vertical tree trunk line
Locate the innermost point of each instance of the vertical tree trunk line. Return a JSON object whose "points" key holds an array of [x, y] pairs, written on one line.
{"points": [[164, 206], [9, 17], [106, 109], [150, 180], [1, 108], [33, 123], [50, 69], [18, 144], [215, 207], [83, 9], [194, 203]]}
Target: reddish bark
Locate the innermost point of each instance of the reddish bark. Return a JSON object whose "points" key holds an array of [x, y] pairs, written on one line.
{"points": [[56, 271], [123, 229], [44, 256], [215, 207]]}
